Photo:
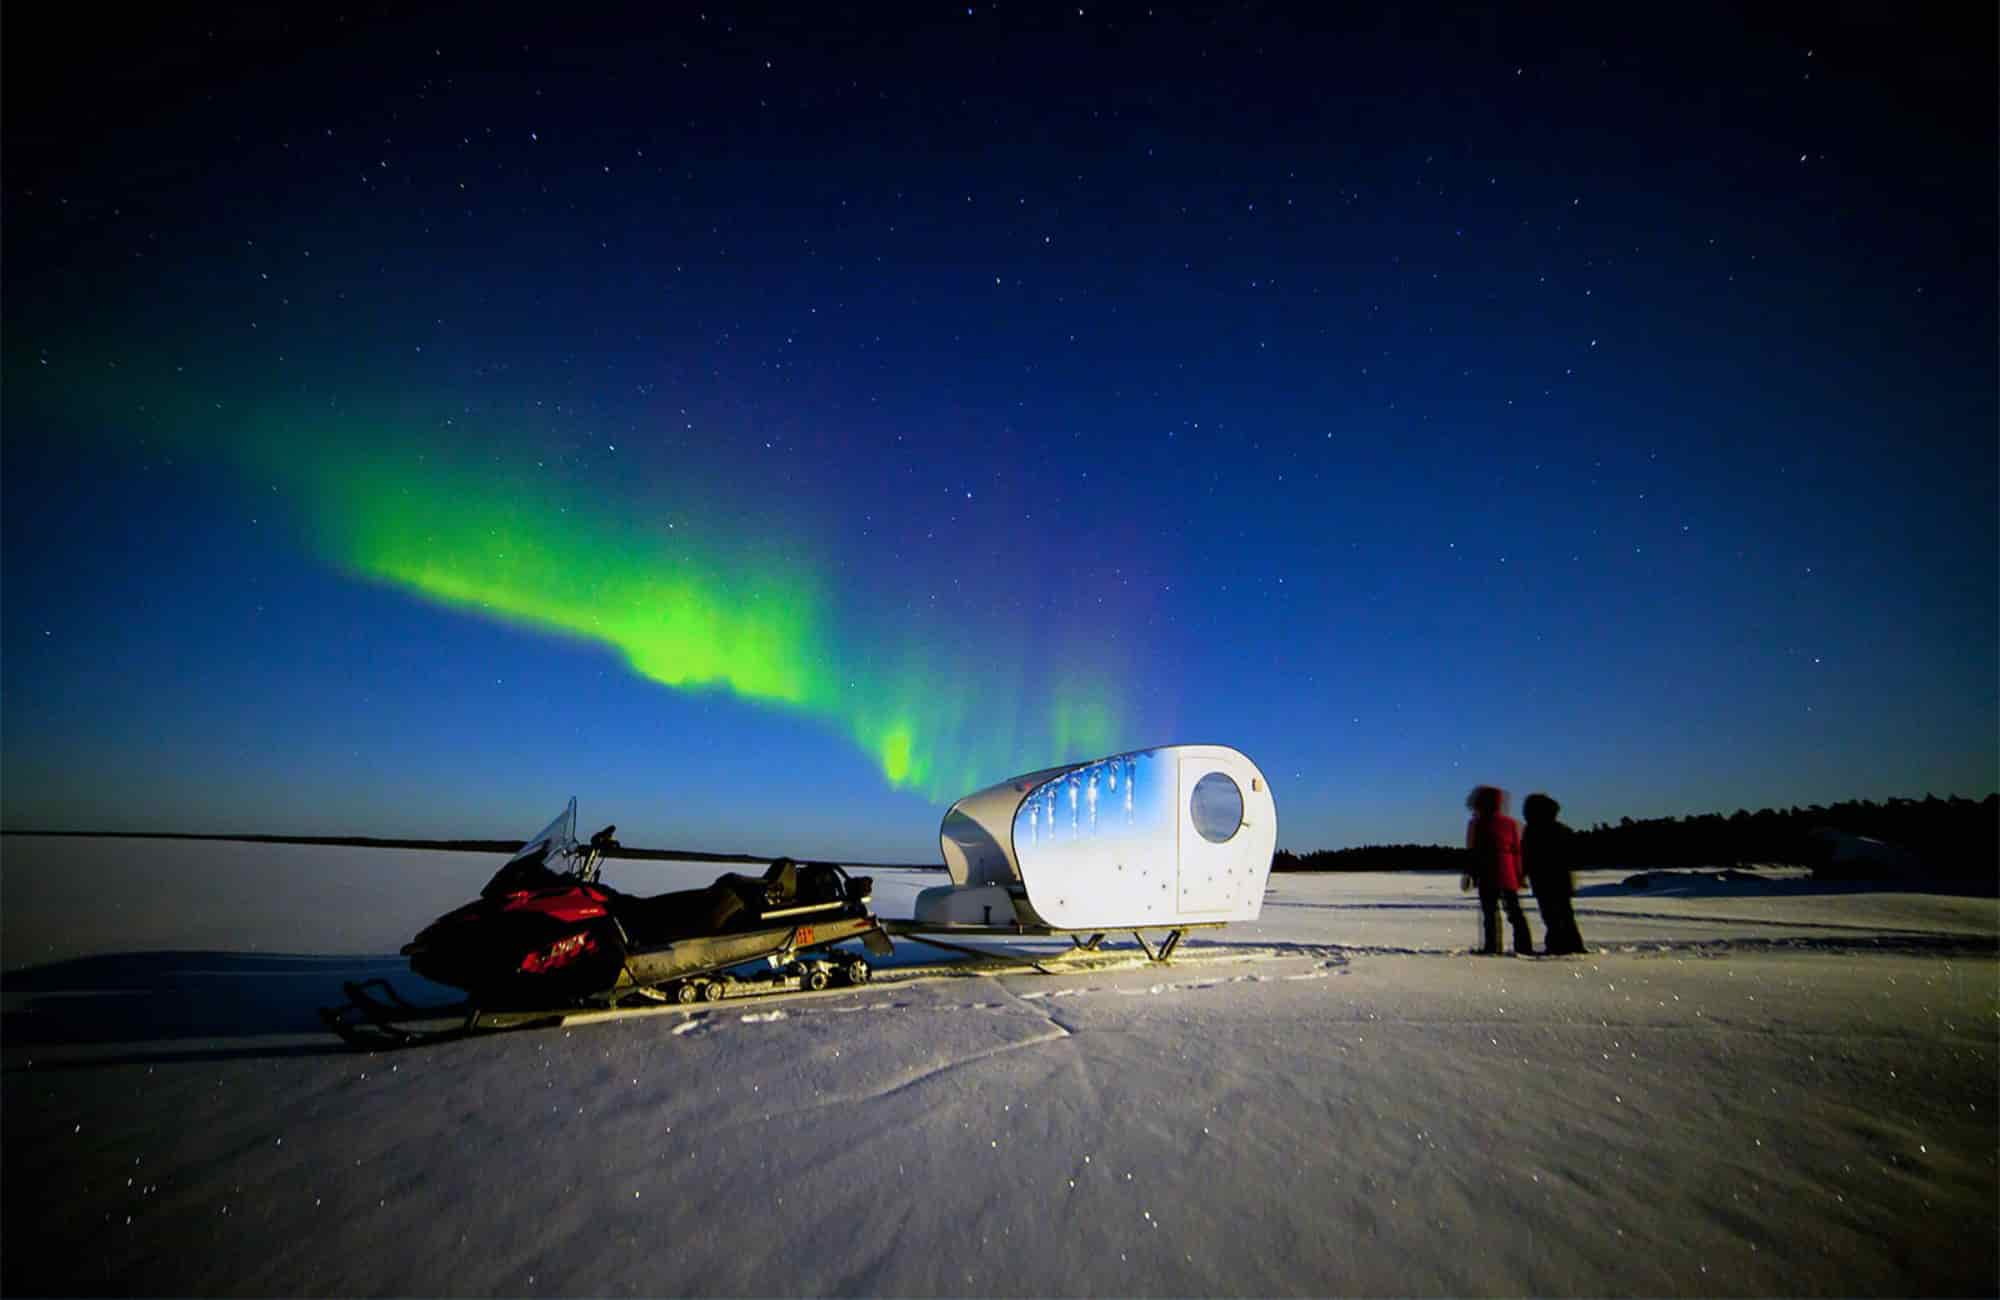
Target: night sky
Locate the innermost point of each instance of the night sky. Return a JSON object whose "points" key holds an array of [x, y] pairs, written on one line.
{"points": [[771, 425]]}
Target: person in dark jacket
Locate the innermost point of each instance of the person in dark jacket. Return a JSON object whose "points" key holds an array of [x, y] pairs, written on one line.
{"points": [[1494, 841], [1549, 856]]}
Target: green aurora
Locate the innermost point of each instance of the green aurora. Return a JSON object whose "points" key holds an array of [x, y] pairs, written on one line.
{"points": [[721, 598], [693, 610]]}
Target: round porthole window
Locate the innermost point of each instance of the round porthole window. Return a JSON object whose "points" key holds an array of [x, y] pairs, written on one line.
{"points": [[1217, 807]]}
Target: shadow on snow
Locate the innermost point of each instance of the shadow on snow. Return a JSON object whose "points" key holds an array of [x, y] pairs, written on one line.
{"points": [[154, 997]]}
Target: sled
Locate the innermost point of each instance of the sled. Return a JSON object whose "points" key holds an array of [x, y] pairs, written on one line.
{"points": [[1163, 840]]}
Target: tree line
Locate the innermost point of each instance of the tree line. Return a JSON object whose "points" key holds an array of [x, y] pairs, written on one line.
{"points": [[1953, 837]]}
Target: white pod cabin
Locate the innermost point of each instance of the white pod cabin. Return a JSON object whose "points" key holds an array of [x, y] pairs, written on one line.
{"points": [[1172, 837]]}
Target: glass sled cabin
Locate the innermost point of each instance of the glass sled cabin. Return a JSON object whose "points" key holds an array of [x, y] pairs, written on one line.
{"points": [[1164, 838]]}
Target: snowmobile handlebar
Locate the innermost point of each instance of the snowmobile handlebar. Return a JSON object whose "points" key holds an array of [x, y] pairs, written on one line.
{"points": [[587, 859]]}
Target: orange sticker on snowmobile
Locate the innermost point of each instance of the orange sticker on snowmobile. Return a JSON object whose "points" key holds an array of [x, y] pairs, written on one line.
{"points": [[804, 935]]}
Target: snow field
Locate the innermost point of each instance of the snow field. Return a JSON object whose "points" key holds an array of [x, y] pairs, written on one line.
{"points": [[1790, 1092]]}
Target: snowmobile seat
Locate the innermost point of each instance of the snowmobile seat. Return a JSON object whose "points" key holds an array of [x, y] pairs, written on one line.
{"points": [[786, 892], [683, 914], [820, 886], [793, 889]]}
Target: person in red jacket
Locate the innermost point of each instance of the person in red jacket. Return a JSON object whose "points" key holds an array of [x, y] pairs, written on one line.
{"points": [[1494, 841]]}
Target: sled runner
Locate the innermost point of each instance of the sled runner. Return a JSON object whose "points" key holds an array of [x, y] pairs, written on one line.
{"points": [[1161, 840]]}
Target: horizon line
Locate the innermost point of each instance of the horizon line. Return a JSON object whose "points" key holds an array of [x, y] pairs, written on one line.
{"points": [[447, 846]]}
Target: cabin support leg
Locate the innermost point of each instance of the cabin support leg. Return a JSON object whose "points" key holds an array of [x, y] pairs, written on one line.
{"points": [[1090, 944], [1165, 952]]}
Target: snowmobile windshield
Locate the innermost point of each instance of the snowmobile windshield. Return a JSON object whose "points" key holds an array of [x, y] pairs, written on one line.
{"points": [[557, 840], [544, 860]]}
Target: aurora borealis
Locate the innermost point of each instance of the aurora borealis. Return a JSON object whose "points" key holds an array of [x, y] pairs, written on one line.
{"points": [[768, 426], [763, 626], [688, 598]]}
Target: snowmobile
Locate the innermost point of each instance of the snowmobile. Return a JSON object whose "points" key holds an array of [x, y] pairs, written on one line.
{"points": [[545, 938]]}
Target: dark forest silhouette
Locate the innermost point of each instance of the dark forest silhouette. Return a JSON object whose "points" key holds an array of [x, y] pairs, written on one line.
{"points": [[1955, 837]]}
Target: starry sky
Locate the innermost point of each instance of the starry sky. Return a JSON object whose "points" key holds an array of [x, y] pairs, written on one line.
{"points": [[770, 424]]}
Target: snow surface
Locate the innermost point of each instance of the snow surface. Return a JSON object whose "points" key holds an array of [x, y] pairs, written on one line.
{"points": [[1759, 1086]]}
